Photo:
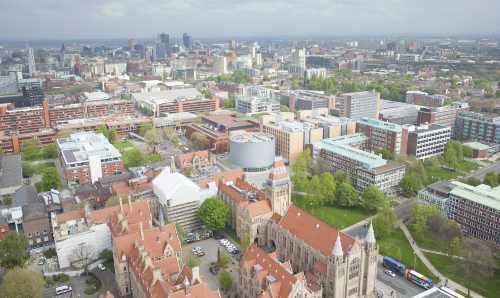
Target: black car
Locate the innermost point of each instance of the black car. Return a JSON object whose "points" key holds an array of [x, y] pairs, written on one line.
{"points": [[214, 269], [218, 235]]}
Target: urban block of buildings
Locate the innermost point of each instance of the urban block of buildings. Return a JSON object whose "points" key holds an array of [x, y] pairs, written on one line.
{"points": [[345, 153], [475, 208], [87, 157]]}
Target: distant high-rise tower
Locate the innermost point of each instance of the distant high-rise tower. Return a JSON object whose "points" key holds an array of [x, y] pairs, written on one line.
{"points": [[186, 41], [232, 44], [131, 44], [31, 62], [299, 58], [163, 45], [150, 54]]}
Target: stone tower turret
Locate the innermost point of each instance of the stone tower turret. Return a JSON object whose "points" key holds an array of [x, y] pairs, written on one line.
{"points": [[279, 187]]}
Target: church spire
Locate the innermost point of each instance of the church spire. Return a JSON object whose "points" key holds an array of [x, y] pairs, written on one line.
{"points": [[337, 249], [370, 235]]}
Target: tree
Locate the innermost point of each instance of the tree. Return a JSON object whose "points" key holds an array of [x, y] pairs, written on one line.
{"points": [[244, 244], [49, 151], [229, 103], [180, 232], [21, 282], [223, 260], [50, 179], [410, 185], [83, 255], [473, 181], [213, 213], [13, 250], [193, 261], [143, 128], [110, 134], [153, 138], [386, 154], [327, 188], [346, 195], [374, 199], [200, 141], [477, 263], [133, 158], [384, 223], [491, 179], [284, 108], [31, 149], [342, 177], [28, 169], [467, 151], [419, 217], [315, 198], [207, 93], [225, 280], [301, 170]]}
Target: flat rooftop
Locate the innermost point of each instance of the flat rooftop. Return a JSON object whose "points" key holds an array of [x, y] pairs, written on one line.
{"points": [[381, 124], [481, 194], [81, 146], [160, 97], [342, 146], [251, 137]]}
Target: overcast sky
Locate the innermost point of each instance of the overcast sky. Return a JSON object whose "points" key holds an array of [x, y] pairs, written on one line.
{"points": [[61, 19]]}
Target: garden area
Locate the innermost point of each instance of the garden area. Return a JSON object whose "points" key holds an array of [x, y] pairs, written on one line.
{"points": [[337, 217], [49, 175], [395, 245], [476, 263], [448, 166], [488, 287]]}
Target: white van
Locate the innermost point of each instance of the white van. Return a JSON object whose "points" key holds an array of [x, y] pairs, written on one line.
{"points": [[63, 289]]}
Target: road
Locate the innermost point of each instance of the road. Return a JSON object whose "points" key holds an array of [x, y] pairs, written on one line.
{"points": [[397, 287], [479, 174]]}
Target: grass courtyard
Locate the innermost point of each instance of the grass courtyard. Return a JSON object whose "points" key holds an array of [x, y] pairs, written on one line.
{"points": [[337, 217], [397, 246], [489, 287]]}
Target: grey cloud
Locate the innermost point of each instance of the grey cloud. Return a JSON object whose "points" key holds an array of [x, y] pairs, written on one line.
{"points": [[32, 19]]}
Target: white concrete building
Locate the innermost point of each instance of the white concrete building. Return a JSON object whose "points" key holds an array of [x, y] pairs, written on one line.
{"points": [[178, 198]]}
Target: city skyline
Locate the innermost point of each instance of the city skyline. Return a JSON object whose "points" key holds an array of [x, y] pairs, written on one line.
{"points": [[139, 18]]}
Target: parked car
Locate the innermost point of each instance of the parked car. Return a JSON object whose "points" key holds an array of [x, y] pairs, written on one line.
{"points": [[214, 269], [101, 267], [390, 273], [218, 235]]}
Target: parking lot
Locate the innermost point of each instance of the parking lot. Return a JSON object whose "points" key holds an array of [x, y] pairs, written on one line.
{"points": [[210, 247], [396, 286]]}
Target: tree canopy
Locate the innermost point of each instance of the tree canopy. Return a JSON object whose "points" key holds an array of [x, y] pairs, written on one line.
{"points": [[346, 195], [200, 142], [13, 250], [21, 282], [374, 199], [213, 213], [225, 280]]}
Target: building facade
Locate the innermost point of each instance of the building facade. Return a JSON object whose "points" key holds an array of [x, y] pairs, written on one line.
{"points": [[477, 127], [86, 157], [384, 135], [357, 105], [427, 140], [363, 167]]}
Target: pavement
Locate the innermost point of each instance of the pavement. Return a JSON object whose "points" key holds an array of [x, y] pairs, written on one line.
{"points": [[210, 247], [420, 254], [78, 284], [480, 173]]}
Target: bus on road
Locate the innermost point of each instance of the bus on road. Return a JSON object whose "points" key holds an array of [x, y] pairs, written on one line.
{"points": [[394, 265], [419, 279]]}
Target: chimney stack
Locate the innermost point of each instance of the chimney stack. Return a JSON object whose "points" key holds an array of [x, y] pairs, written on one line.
{"points": [[141, 230]]}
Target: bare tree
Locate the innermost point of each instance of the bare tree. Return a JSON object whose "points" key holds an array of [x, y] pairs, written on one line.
{"points": [[83, 254], [153, 137], [478, 261]]}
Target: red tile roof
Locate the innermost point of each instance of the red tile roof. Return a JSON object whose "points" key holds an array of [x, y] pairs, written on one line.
{"points": [[69, 215], [312, 231], [285, 279]]}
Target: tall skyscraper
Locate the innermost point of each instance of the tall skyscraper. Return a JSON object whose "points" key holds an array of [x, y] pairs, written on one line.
{"points": [[163, 45], [356, 105], [186, 41], [150, 54], [31, 62]]}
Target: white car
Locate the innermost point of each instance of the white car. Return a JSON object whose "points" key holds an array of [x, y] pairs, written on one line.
{"points": [[390, 273], [101, 267]]}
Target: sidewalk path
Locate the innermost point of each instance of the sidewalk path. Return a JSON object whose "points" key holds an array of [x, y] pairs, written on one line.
{"points": [[419, 252], [439, 253]]}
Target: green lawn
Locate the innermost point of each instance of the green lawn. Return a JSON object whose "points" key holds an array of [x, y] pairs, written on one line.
{"points": [[397, 246], [337, 217], [152, 158], [486, 287], [429, 241], [121, 145], [437, 173]]}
